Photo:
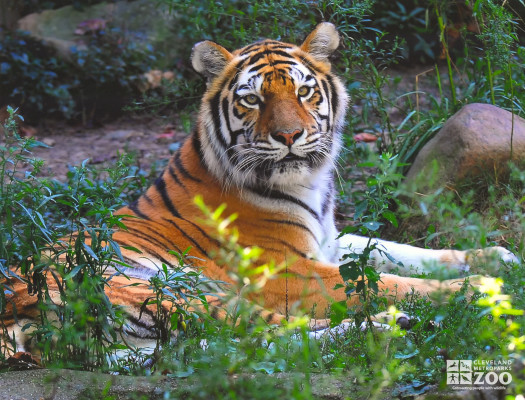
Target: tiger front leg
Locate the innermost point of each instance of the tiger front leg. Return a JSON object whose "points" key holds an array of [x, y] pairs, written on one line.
{"points": [[406, 259]]}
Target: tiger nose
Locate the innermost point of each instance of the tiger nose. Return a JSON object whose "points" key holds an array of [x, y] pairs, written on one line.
{"points": [[287, 138]]}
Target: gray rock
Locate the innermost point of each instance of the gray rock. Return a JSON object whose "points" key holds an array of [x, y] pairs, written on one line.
{"points": [[141, 19], [74, 385], [124, 134], [49, 142], [474, 141]]}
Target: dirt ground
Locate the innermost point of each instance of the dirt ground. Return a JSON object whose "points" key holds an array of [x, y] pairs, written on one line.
{"points": [[69, 145]]}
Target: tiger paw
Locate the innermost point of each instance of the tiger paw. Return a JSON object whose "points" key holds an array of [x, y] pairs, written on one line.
{"points": [[383, 321], [503, 254], [490, 253]]}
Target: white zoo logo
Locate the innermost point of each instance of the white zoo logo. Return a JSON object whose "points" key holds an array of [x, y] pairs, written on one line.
{"points": [[479, 372], [459, 372]]}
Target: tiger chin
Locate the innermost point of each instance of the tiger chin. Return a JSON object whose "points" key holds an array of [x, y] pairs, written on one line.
{"points": [[267, 137]]}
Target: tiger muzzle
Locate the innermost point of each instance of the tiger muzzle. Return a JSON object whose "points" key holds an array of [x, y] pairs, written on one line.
{"points": [[287, 138]]}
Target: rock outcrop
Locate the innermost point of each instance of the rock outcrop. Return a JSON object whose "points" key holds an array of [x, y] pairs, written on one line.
{"points": [[479, 139]]}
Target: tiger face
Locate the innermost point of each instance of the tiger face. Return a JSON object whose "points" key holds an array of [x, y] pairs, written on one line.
{"points": [[273, 111]]}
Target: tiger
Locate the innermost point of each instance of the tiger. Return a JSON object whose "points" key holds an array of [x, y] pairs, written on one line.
{"points": [[266, 143]]}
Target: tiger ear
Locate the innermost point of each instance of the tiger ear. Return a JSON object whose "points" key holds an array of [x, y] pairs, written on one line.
{"points": [[322, 42], [209, 59]]}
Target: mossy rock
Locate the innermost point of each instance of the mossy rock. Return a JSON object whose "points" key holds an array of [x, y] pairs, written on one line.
{"points": [[139, 21]]}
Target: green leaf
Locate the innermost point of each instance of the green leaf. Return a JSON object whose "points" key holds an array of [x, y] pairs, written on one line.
{"points": [[348, 273], [390, 216], [372, 225], [73, 272], [90, 251], [338, 312], [360, 209]]}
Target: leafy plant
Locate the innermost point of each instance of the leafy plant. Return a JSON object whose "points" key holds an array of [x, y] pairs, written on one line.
{"points": [[19, 193], [97, 82], [108, 72], [79, 326], [371, 211], [180, 299], [32, 76]]}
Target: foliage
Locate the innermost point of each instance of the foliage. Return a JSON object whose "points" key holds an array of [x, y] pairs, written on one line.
{"points": [[97, 81], [78, 328], [371, 212], [32, 75], [113, 63], [179, 287], [17, 244]]}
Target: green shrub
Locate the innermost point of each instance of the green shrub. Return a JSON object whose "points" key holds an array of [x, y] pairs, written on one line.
{"points": [[32, 76], [96, 83]]}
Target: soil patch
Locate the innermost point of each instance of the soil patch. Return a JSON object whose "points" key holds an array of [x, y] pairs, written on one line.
{"points": [[150, 139]]}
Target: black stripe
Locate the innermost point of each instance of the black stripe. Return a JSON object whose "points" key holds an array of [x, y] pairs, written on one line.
{"points": [[236, 134], [203, 233], [284, 243], [226, 114], [138, 322], [275, 194], [214, 312], [293, 223], [160, 184], [308, 64], [236, 76], [214, 105], [196, 143], [258, 67], [142, 235], [183, 170], [135, 208], [282, 46], [261, 54], [195, 243], [145, 196], [145, 251], [273, 44], [328, 198], [176, 178], [249, 49], [284, 62], [335, 99], [269, 317]]}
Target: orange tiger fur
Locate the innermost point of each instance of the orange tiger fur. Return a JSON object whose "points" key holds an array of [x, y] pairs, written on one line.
{"points": [[268, 133]]}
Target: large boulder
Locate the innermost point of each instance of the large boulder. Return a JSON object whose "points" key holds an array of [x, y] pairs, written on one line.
{"points": [[60, 28], [478, 139]]}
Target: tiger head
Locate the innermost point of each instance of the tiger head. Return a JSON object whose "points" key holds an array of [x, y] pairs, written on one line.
{"points": [[273, 112]]}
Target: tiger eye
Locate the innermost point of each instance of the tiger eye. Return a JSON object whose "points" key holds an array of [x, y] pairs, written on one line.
{"points": [[251, 99], [303, 91]]}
